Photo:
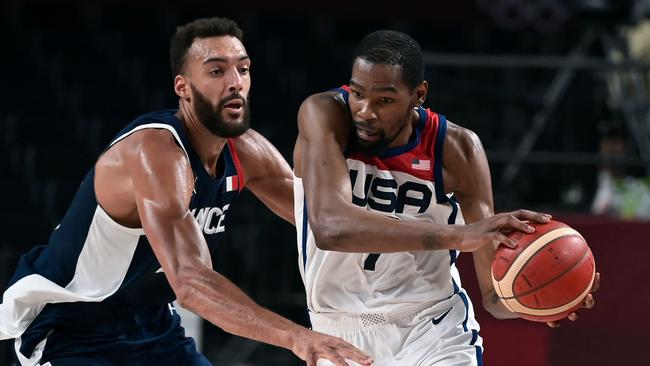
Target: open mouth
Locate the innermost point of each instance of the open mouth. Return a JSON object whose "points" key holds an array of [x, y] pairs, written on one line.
{"points": [[364, 133], [234, 105]]}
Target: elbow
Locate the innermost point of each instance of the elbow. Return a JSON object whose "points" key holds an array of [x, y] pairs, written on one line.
{"points": [[493, 305], [185, 285], [324, 237], [493, 310], [324, 240], [184, 294], [329, 232]]}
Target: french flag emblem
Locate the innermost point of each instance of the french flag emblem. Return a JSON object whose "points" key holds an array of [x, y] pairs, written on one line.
{"points": [[232, 183], [418, 164]]}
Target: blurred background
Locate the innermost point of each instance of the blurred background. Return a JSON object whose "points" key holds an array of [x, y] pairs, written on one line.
{"points": [[557, 91]]}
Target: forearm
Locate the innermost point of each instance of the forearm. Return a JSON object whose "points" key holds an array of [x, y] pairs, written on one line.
{"points": [[219, 301], [276, 194], [360, 231], [483, 265]]}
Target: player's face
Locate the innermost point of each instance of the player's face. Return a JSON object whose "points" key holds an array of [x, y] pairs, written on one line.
{"points": [[218, 75], [381, 105]]}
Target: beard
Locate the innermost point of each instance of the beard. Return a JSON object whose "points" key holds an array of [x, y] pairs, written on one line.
{"points": [[212, 117], [371, 148], [378, 147]]}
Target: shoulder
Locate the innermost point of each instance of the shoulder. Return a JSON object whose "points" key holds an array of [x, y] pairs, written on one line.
{"points": [[152, 145], [461, 143], [251, 142], [324, 115], [329, 105], [465, 165], [330, 97], [258, 156], [153, 138]]}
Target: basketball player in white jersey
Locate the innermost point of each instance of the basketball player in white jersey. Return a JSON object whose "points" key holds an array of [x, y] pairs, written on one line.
{"points": [[377, 181]]}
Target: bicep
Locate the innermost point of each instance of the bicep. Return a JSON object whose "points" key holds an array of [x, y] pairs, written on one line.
{"points": [[163, 183], [161, 175], [467, 174], [267, 173], [323, 167]]}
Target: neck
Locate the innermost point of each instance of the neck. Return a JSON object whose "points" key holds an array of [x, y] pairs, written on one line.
{"points": [[404, 134], [206, 145]]}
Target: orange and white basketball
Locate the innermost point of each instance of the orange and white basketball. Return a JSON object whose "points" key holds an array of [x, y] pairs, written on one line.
{"points": [[547, 276]]}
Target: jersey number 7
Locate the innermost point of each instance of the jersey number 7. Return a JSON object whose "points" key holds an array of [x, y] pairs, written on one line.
{"points": [[371, 260]]}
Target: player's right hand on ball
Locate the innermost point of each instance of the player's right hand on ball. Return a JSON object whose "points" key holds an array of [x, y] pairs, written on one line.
{"points": [[493, 230], [311, 346]]}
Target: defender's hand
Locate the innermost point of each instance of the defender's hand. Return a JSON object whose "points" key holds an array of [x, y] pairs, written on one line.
{"points": [[492, 230], [311, 346], [587, 304]]}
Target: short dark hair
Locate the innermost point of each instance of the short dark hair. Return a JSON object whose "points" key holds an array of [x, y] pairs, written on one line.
{"points": [[200, 28], [394, 48]]}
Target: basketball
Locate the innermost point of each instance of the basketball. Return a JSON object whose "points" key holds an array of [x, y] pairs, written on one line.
{"points": [[548, 275]]}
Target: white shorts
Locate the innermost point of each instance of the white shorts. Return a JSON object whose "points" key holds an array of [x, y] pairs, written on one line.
{"points": [[444, 334]]}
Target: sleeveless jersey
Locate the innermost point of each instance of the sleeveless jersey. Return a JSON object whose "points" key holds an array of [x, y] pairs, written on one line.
{"points": [[403, 182], [94, 269]]}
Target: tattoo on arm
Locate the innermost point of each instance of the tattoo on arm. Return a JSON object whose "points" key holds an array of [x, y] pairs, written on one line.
{"points": [[431, 241]]}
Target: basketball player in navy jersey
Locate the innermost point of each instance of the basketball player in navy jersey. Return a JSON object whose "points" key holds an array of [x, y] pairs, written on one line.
{"points": [[377, 180], [140, 229]]}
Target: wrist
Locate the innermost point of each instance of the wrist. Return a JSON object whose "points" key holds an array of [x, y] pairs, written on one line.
{"points": [[445, 238], [293, 338]]}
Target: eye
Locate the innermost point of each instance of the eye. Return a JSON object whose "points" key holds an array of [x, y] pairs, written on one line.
{"points": [[244, 70], [355, 93], [386, 100], [215, 72]]}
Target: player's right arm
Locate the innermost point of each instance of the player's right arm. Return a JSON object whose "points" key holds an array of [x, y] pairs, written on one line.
{"points": [[162, 184], [339, 225]]}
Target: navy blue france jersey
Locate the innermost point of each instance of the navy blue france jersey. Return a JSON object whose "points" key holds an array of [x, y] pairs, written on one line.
{"points": [[95, 270]]}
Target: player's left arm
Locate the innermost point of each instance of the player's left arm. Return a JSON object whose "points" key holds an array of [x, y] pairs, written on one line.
{"points": [[467, 174], [266, 173]]}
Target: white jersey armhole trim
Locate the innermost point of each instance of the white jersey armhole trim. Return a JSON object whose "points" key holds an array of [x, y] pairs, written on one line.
{"points": [[154, 126]]}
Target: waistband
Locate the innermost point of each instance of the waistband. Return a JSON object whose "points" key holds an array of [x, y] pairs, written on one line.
{"points": [[338, 321]]}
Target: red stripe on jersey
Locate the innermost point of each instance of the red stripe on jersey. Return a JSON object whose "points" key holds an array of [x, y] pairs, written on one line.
{"points": [[414, 161], [239, 184]]}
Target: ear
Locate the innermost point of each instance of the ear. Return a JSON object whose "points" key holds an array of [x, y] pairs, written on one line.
{"points": [[181, 87], [421, 93]]}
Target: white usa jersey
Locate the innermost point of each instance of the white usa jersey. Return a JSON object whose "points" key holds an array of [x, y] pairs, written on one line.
{"points": [[404, 182]]}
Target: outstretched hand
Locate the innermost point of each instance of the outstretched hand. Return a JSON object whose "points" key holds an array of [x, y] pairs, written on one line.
{"points": [[587, 304], [493, 230], [312, 346]]}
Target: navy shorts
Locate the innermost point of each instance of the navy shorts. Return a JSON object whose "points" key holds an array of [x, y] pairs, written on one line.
{"points": [[156, 338]]}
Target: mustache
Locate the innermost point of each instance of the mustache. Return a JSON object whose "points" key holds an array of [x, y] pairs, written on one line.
{"points": [[363, 125]]}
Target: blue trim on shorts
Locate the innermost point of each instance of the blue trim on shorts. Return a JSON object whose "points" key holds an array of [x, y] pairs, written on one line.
{"points": [[479, 356], [456, 288], [475, 335], [305, 222], [464, 298]]}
